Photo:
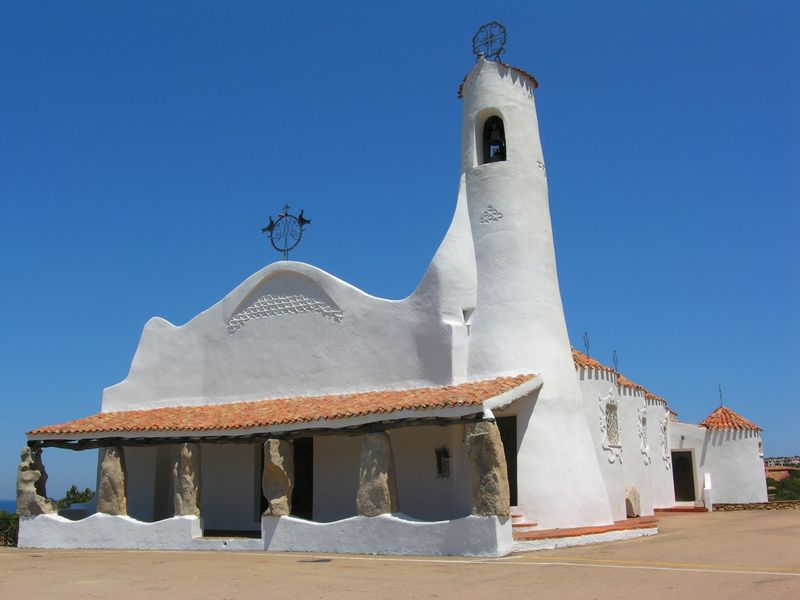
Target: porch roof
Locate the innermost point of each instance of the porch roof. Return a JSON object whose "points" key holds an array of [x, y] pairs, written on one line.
{"points": [[284, 414]]}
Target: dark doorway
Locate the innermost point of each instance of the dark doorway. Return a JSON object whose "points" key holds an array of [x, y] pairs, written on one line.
{"points": [[508, 435], [303, 493], [683, 475]]}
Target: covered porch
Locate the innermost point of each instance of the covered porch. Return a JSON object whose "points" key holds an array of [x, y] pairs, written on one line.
{"points": [[419, 471]]}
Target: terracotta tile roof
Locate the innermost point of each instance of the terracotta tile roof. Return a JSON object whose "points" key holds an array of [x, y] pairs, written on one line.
{"points": [[582, 360], [725, 418], [285, 411], [532, 79], [625, 382]]}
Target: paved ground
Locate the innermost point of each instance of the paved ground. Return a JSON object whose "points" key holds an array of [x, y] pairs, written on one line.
{"points": [[719, 555]]}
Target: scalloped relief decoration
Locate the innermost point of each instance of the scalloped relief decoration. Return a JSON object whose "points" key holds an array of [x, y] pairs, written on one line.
{"points": [[644, 446], [665, 442], [271, 306], [609, 426]]}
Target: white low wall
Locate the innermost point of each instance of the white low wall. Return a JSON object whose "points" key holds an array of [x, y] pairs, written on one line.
{"points": [[391, 534], [108, 531], [385, 534]]}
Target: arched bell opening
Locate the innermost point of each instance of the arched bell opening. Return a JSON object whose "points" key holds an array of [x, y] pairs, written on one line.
{"points": [[494, 140]]}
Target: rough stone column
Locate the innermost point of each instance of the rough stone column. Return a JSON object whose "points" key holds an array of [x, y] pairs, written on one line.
{"points": [[490, 495], [32, 497], [377, 484], [186, 481], [277, 481], [112, 496], [633, 503]]}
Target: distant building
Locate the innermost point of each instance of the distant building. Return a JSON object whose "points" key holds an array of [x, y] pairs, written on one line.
{"points": [[300, 413], [783, 461]]}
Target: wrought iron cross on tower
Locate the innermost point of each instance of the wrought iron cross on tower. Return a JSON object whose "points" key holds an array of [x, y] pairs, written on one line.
{"points": [[489, 41]]}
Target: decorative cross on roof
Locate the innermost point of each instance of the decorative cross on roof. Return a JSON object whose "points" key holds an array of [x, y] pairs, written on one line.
{"points": [[489, 41]]}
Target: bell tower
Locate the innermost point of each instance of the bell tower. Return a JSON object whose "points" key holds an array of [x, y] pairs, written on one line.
{"points": [[518, 325]]}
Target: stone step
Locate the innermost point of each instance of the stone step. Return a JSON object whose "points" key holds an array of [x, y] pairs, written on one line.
{"points": [[523, 525]]}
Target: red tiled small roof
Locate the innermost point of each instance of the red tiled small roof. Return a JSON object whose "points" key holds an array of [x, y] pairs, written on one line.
{"points": [[530, 77], [285, 411], [725, 418]]}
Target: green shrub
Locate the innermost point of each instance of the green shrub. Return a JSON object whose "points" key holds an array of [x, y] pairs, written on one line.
{"points": [[787, 489], [9, 527]]}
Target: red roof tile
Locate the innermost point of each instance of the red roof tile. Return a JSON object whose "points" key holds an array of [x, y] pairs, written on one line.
{"points": [[725, 418], [284, 411], [582, 360], [625, 382]]}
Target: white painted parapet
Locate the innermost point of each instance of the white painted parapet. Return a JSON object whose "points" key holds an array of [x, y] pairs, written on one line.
{"points": [[391, 534], [108, 531], [385, 534]]}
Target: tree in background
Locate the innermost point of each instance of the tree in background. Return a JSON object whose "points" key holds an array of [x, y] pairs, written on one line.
{"points": [[75, 496], [785, 489]]}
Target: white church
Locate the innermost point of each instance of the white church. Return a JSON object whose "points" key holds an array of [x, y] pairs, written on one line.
{"points": [[451, 422]]}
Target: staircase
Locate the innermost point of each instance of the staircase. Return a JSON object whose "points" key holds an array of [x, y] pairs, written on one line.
{"points": [[519, 522]]}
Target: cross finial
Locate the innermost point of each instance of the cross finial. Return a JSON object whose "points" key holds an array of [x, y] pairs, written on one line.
{"points": [[489, 41], [586, 342], [720, 395]]}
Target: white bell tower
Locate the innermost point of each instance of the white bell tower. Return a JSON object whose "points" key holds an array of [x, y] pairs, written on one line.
{"points": [[518, 325]]}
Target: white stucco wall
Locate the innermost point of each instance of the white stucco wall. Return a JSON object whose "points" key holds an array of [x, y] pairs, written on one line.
{"points": [[149, 481], [661, 484], [731, 457], [384, 534], [336, 463], [598, 388], [391, 534], [636, 464], [333, 336], [423, 495], [230, 492]]}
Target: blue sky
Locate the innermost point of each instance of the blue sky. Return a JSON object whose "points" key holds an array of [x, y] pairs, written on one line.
{"points": [[143, 145]]}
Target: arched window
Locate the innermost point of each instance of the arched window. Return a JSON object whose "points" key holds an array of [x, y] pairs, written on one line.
{"points": [[494, 140]]}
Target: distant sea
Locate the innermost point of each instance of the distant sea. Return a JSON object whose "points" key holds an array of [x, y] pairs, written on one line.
{"points": [[9, 506]]}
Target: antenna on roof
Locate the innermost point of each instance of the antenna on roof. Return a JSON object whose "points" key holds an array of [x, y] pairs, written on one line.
{"points": [[720, 395], [615, 358], [586, 342]]}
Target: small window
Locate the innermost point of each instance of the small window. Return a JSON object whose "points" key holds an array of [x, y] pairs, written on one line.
{"points": [[494, 140], [442, 462]]}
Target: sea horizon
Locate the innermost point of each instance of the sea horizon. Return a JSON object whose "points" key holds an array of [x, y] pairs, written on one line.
{"points": [[10, 506]]}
